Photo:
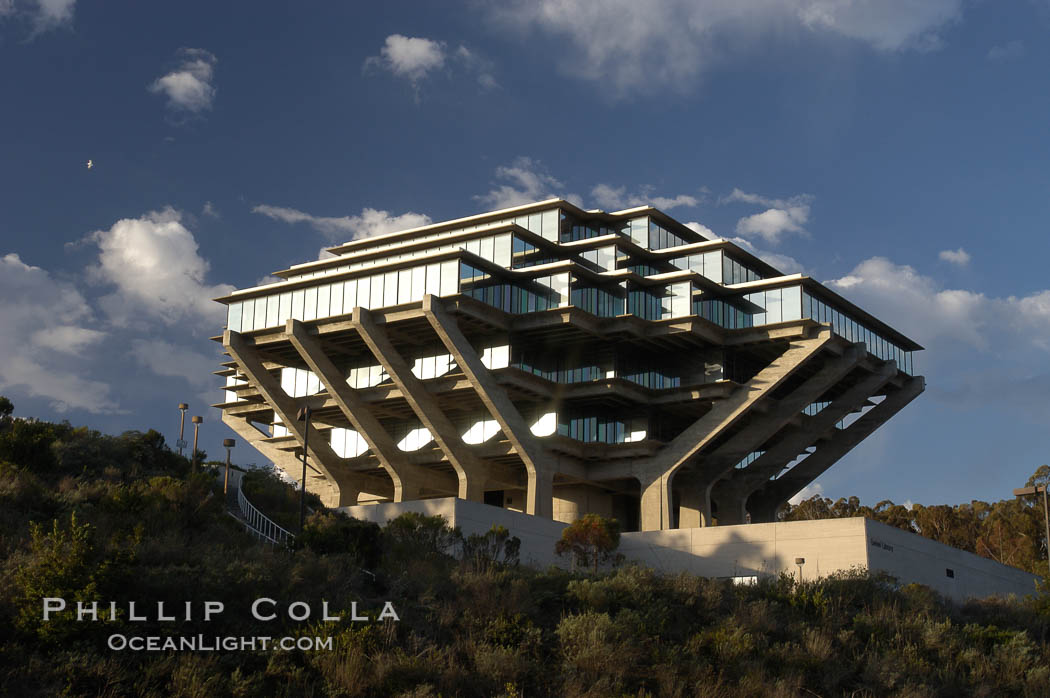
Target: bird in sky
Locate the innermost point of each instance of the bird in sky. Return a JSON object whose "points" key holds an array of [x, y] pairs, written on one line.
{"points": [[90, 164]]}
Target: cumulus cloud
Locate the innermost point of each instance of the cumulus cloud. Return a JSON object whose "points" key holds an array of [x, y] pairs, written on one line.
{"points": [[41, 14], [1008, 51], [781, 215], [153, 262], [698, 227], [647, 45], [415, 58], [410, 57], [959, 257], [168, 359], [368, 223], [524, 181], [47, 330], [784, 263], [946, 320], [189, 87], [615, 198]]}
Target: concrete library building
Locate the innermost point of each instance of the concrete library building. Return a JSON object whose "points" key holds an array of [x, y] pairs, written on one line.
{"points": [[539, 363]]}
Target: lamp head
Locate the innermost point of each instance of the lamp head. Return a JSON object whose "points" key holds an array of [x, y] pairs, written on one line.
{"points": [[196, 419], [229, 443], [800, 560], [183, 406]]}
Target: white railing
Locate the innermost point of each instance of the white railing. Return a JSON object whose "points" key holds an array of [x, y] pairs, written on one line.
{"points": [[259, 524]]}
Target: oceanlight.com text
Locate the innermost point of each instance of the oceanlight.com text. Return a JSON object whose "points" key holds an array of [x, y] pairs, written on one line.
{"points": [[216, 643]]}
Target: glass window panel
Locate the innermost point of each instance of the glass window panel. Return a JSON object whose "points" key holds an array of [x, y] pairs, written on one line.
{"points": [[260, 313], [233, 317], [417, 283], [774, 309], [310, 304], [433, 282], [272, 314], [337, 299], [390, 288], [377, 299], [285, 310], [404, 286], [364, 292], [550, 224], [449, 278], [324, 300], [248, 316], [501, 250], [488, 247], [792, 303]]}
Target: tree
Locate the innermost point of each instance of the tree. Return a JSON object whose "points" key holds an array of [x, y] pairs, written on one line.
{"points": [[591, 539]]}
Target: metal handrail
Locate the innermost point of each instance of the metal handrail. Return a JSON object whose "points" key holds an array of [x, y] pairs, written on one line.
{"points": [[259, 524]]}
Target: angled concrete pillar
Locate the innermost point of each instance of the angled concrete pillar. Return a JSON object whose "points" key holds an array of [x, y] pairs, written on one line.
{"points": [[408, 479], [655, 473], [733, 493], [774, 494], [540, 499], [694, 501], [349, 484], [470, 470], [656, 501]]}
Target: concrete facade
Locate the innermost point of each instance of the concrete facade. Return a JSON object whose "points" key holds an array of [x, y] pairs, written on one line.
{"points": [[556, 361], [751, 551]]}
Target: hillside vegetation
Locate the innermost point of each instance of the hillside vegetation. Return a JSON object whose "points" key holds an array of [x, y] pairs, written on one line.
{"points": [[86, 516]]}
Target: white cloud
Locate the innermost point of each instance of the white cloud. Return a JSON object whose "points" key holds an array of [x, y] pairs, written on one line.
{"points": [[648, 45], [210, 210], [615, 198], [167, 359], [947, 321], [416, 58], [527, 182], [159, 276], [781, 215], [368, 223], [42, 14], [785, 263], [959, 257], [1008, 51], [811, 490], [189, 87], [697, 227], [68, 339], [410, 57], [37, 315]]}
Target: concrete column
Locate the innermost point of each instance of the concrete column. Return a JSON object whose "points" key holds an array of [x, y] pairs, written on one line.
{"points": [[470, 470], [732, 504], [539, 493], [408, 479], [694, 502], [656, 502]]}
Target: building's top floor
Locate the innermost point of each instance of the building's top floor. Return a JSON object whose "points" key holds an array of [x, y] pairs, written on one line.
{"points": [[553, 254]]}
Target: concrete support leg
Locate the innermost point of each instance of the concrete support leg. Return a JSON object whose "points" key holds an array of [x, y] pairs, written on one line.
{"points": [[539, 494], [656, 503], [694, 504], [732, 505]]}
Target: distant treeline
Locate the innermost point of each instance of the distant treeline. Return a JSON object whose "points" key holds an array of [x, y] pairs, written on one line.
{"points": [[1011, 531], [86, 516]]}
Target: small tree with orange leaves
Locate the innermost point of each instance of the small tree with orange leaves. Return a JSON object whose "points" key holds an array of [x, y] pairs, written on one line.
{"points": [[591, 539]]}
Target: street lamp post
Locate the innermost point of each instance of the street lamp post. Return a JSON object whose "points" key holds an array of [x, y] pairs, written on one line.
{"points": [[181, 443], [228, 443], [1025, 491], [800, 561], [196, 427], [304, 416]]}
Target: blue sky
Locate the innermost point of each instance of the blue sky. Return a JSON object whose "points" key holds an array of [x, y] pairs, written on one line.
{"points": [[895, 150]]}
